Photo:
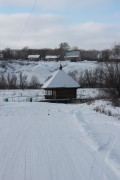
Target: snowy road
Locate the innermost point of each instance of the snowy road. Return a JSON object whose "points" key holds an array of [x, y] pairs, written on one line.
{"points": [[42, 141]]}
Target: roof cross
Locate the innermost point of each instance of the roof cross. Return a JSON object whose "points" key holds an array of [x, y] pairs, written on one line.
{"points": [[60, 67]]}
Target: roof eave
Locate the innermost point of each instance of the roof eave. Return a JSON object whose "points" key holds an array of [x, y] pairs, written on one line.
{"points": [[60, 88]]}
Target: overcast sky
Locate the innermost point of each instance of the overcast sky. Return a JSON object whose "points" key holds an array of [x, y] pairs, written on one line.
{"points": [[87, 24]]}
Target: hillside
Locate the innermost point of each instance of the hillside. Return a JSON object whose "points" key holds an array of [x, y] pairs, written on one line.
{"points": [[42, 70]]}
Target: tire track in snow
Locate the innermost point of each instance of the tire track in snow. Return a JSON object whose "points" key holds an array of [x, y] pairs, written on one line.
{"points": [[100, 159], [50, 147]]}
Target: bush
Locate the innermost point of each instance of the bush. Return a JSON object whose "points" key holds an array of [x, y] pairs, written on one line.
{"points": [[105, 77], [103, 111], [34, 83]]}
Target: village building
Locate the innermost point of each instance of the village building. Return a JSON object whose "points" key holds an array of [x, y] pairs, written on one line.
{"points": [[52, 58], [73, 56], [108, 57], [1, 56], [114, 57], [34, 57], [60, 86]]}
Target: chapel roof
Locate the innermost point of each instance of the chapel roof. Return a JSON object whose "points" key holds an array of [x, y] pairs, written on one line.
{"points": [[60, 80]]}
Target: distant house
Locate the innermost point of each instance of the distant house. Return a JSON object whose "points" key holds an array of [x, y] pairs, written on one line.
{"points": [[34, 57], [108, 57], [72, 55], [52, 58], [1, 56], [99, 56], [60, 86], [114, 57]]}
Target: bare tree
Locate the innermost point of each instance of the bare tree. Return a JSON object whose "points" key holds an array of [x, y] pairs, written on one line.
{"points": [[3, 82], [22, 80], [89, 78], [105, 55], [64, 46], [116, 51], [34, 83], [7, 54], [110, 76], [89, 54], [23, 53], [12, 81]]}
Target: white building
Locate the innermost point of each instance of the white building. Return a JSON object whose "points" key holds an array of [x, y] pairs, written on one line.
{"points": [[52, 58], [34, 57], [72, 55]]}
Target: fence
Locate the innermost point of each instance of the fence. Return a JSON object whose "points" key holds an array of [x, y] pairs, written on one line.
{"points": [[24, 99]]}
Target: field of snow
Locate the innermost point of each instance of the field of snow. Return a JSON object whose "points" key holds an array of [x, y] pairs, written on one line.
{"points": [[21, 95], [42, 70], [46, 141], [38, 94]]}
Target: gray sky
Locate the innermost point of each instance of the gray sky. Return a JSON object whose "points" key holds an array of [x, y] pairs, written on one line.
{"points": [[93, 24]]}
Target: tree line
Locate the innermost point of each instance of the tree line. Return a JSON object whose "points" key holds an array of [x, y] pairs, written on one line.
{"points": [[103, 55], [105, 77], [20, 81]]}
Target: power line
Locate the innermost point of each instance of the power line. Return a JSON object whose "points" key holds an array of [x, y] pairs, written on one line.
{"points": [[26, 23]]}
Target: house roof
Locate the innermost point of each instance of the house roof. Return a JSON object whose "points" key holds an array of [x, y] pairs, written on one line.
{"points": [[72, 54], [51, 57], [60, 80], [34, 56]]}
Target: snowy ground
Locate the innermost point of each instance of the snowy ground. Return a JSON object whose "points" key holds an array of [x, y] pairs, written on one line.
{"points": [[44, 141], [42, 70], [37, 95]]}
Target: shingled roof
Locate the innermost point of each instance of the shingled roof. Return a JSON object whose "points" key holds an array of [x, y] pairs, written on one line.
{"points": [[60, 80]]}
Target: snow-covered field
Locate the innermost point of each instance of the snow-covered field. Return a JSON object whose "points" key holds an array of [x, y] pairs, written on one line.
{"points": [[45, 141], [38, 94]]}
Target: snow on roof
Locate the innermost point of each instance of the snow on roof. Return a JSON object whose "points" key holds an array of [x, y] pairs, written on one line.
{"points": [[34, 56], [60, 80], [51, 57], [72, 54]]}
